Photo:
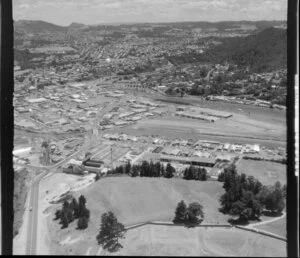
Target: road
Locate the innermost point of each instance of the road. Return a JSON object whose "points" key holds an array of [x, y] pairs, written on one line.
{"points": [[34, 201]]}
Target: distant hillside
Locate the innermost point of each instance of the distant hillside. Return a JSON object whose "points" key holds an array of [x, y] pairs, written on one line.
{"points": [[75, 26], [37, 27], [264, 51]]}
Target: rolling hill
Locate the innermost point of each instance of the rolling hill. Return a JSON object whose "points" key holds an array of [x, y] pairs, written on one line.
{"points": [[28, 26]]}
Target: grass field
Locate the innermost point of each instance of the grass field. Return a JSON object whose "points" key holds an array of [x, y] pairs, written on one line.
{"points": [[267, 172], [179, 241], [135, 200], [277, 227]]}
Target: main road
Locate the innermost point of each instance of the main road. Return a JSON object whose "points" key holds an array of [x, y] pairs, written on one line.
{"points": [[34, 201]]}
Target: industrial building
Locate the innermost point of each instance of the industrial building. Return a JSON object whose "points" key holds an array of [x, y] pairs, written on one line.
{"points": [[92, 166], [196, 161]]}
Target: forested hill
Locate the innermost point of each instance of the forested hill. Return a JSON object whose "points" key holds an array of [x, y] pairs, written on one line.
{"points": [[264, 51], [261, 52]]}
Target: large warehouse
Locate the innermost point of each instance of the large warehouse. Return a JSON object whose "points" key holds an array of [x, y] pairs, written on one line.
{"points": [[196, 161]]}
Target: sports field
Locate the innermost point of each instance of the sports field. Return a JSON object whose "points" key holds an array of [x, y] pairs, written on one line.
{"points": [[180, 241], [267, 172]]}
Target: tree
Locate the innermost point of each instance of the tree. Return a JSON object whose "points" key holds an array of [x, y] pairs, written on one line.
{"points": [[127, 168], [75, 208], [180, 212], [86, 213], [58, 214], [248, 207], [82, 223], [82, 202], [169, 171], [97, 177], [64, 220], [273, 198], [194, 213], [202, 174], [134, 171], [69, 214], [162, 170], [110, 232]]}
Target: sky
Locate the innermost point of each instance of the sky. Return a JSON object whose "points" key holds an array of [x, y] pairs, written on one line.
{"points": [[90, 12]]}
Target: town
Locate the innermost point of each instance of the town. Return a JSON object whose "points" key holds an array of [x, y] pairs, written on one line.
{"points": [[93, 103]]}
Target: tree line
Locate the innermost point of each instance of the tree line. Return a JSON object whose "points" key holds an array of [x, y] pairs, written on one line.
{"points": [[146, 169], [195, 173], [246, 197], [74, 210], [157, 169]]}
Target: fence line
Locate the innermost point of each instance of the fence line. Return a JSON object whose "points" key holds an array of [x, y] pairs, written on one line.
{"points": [[167, 223], [262, 232]]}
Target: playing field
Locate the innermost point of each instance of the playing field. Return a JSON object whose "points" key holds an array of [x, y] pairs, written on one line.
{"points": [[180, 241], [267, 172]]}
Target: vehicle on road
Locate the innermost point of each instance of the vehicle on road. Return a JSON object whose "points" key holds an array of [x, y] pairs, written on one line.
{"points": [[30, 208]]}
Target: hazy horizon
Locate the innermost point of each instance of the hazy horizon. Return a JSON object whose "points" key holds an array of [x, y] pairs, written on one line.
{"points": [[97, 12], [159, 22]]}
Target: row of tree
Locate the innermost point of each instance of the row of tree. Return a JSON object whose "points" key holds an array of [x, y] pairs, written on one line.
{"points": [[195, 173], [246, 197], [193, 214], [146, 169], [74, 210], [151, 169]]}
